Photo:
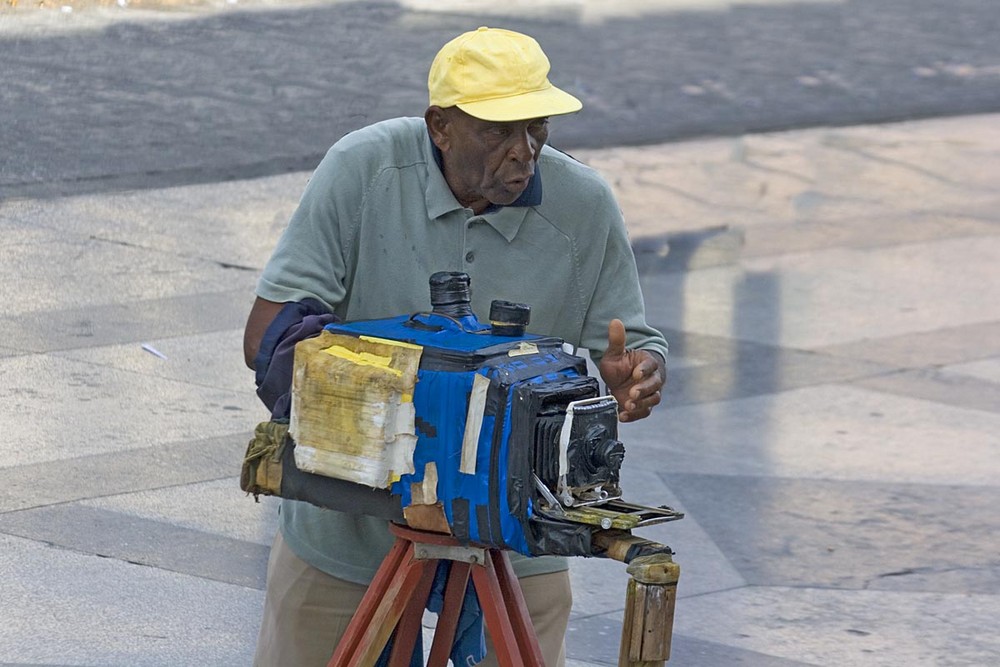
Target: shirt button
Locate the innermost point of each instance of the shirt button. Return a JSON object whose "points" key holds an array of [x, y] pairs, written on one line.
{"points": [[470, 257]]}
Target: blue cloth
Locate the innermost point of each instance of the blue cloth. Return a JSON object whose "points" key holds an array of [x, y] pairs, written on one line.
{"points": [[469, 647], [295, 321]]}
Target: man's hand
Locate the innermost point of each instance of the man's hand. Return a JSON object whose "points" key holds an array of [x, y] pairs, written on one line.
{"points": [[634, 377]]}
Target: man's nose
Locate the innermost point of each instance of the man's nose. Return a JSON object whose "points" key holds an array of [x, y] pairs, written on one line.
{"points": [[524, 147]]}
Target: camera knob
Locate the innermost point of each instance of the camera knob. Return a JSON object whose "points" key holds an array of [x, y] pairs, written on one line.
{"points": [[451, 293], [508, 318]]}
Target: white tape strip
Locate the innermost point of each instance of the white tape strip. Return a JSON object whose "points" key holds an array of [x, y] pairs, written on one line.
{"points": [[474, 424]]}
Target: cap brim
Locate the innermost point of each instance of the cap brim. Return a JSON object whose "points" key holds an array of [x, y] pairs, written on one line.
{"points": [[538, 104]]}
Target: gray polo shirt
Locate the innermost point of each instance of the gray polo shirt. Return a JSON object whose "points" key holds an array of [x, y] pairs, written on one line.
{"points": [[378, 218]]}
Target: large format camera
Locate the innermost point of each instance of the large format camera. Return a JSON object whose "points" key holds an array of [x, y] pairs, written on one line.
{"points": [[483, 431]]}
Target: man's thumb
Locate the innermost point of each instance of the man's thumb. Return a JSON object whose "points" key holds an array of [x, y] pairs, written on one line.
{"points": [[616, 339]]}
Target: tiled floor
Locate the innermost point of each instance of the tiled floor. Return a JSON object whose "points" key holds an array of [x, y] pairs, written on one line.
{"points": [[831, 427]]}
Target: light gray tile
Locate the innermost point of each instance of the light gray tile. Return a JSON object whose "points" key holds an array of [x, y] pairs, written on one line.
{"points": [[864, 232], [984, 369], [831, 627], [217, 507], [729, 368], [764, 370], [61, 408], [73, 328], [932, 385], [598, 585], [946, 345], [597, 640], [103, 611], [850, 535], [81, 272], [76, 478], [233, 223], [140, 541], [704, 567], [835, 296], [822, 432], [212, 359], [688, 250]]}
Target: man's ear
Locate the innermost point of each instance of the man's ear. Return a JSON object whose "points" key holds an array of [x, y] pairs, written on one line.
{"points": [[437, 124]]}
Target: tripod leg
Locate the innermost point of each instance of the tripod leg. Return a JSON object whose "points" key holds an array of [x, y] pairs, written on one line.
{"points": [[444, 634], [387, 573], [409, 624], [509, 646], [388, 612], [649, 612], [524, 632]]}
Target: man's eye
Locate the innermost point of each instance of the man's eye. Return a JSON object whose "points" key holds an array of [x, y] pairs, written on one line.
{"points": [[498, 131]]}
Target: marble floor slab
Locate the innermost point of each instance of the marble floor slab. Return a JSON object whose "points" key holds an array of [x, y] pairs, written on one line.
{"points": [[837, 432], [984, 369], [114, 272], [835, 627], [61, 408], [172, 464], [76, 327], [233, 514], [849, 535], [596, 639], [237, 230], [810, 300], [211, 359], [105, 611]]}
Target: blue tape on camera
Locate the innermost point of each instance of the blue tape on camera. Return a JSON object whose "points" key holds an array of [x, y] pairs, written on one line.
{"points": [[490, 506]]}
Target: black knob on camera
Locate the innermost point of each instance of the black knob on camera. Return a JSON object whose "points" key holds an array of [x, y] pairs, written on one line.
{"points": [[508, 318], [451, 294]]}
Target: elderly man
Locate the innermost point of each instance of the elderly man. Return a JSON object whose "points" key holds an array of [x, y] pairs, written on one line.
{"points": [[459, 190]]}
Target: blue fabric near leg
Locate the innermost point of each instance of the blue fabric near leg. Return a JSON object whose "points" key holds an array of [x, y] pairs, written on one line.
{"points": [[469, 647]]}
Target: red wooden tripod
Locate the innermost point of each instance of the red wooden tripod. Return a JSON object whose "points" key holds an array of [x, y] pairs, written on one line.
{"points": [[397, 596]]}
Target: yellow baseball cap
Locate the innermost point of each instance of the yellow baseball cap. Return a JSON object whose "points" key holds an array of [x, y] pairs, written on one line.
{"points": [[498, 75]]}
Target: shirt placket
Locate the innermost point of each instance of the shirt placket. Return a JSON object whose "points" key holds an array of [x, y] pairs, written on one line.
{"points": [[468, 244]]}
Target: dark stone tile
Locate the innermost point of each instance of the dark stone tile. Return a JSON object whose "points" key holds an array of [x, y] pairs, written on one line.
{"points": [[142, 542], [706, 347], [596, 639], [738, 369], [811, 235], [849, 535], [76, 328], [687, 251], [932, 385], [930, 348], [27, 486]]}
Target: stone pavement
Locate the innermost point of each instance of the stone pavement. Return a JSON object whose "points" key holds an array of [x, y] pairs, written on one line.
{"points": [[123, 97], [831, 429]]}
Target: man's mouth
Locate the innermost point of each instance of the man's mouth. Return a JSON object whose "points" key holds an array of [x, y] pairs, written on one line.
{"points": [[519, 183]]}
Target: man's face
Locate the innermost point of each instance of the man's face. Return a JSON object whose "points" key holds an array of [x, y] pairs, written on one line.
{"points": [[487, 162]]}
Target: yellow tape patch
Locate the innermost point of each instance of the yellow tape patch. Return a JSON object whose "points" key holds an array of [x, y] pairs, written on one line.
{"points": [[386, 341], [363, 359]]}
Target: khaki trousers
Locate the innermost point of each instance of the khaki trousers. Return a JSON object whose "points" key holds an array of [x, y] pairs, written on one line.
{"points": [[306, 612]]}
